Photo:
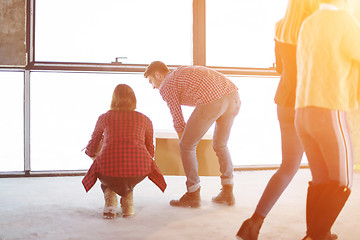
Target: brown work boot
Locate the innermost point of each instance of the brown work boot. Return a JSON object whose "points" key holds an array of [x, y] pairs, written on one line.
{"points": [[110, 207], [127, 205], [189, 199], [226, 195]]}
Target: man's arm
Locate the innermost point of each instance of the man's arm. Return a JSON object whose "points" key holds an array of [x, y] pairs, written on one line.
{"points": [[171, 97]]}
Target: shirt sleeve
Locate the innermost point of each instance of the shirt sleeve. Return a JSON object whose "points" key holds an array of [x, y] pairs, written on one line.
{"points": [[96, 137], [172, 98], [149, 138]]}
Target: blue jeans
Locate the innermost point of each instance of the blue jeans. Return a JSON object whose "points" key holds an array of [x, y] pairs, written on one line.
{"points": [[222, 111]]}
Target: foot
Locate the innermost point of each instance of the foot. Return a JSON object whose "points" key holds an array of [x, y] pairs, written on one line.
{"points": [[129, 213], [127, 205], [109, 213], [307, 238], [110, 207], [188, 200], [226, 196], [250, 228], [331, 236]]}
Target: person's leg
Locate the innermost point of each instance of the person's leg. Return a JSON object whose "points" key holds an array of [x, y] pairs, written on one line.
{"points": [[110, 207], [197, 125], [329, 147], [336, 146], [123, 186], [331, 185], [127, 204], [304, 123], [231, 104], [320, 177], [292, 152]]}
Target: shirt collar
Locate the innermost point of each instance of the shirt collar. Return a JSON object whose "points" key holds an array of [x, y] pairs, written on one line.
{"points": [[163, 82], [328, 6]]}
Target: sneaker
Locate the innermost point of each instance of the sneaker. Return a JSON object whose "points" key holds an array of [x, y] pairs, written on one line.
{"points": [[188, 200]]}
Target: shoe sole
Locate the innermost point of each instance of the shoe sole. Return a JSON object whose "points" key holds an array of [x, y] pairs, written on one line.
{"points": [[109, 215], [192, 205], [224, 202], [186, 206]]}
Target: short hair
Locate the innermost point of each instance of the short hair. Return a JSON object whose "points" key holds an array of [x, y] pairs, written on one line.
{"points": [[123, 98], [156, 66]]}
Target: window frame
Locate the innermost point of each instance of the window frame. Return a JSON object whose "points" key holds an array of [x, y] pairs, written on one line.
{"points": [[199, 58]]}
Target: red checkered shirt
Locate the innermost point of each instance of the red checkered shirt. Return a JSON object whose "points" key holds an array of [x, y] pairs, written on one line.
{"points": [[193, 86], [127, 148]]}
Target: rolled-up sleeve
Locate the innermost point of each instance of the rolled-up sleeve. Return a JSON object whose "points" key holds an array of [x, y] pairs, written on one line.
{"points": [[96, 137], [171, 97]]}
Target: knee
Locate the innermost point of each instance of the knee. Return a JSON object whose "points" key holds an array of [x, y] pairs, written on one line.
{"points": [[287, 172], [219, 147], [186, 145]]}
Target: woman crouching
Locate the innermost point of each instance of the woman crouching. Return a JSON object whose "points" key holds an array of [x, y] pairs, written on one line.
{"points": [[123, 152]]}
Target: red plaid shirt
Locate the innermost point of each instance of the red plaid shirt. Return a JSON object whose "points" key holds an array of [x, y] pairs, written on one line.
{"points": [[127, 149], [192, 86]]}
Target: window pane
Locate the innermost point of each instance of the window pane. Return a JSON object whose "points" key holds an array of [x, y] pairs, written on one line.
{"points": [[241, 33], [255, 138], [66, 106], [100, 31], [12, 121]]}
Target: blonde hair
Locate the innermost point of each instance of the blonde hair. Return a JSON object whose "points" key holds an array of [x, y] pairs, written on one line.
{"points": [[288, 28], [123, 98]]}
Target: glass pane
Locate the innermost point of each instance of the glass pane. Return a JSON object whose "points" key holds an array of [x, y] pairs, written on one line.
{"points": [[241, 33], [66, 106], [99, 31], [255, 138], [12, 121]]}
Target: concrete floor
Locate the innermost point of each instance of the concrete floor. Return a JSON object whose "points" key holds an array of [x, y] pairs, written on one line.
{"points": [[58, 208]]}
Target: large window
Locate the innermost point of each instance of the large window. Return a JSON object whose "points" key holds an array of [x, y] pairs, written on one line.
{"points": [[241, 33], [66, 106], [12, 121], [63, 100], [99, 31], [255, 137]]}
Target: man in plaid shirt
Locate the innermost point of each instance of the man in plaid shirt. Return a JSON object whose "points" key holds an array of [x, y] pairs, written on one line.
{"points": [[215, 99]]}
